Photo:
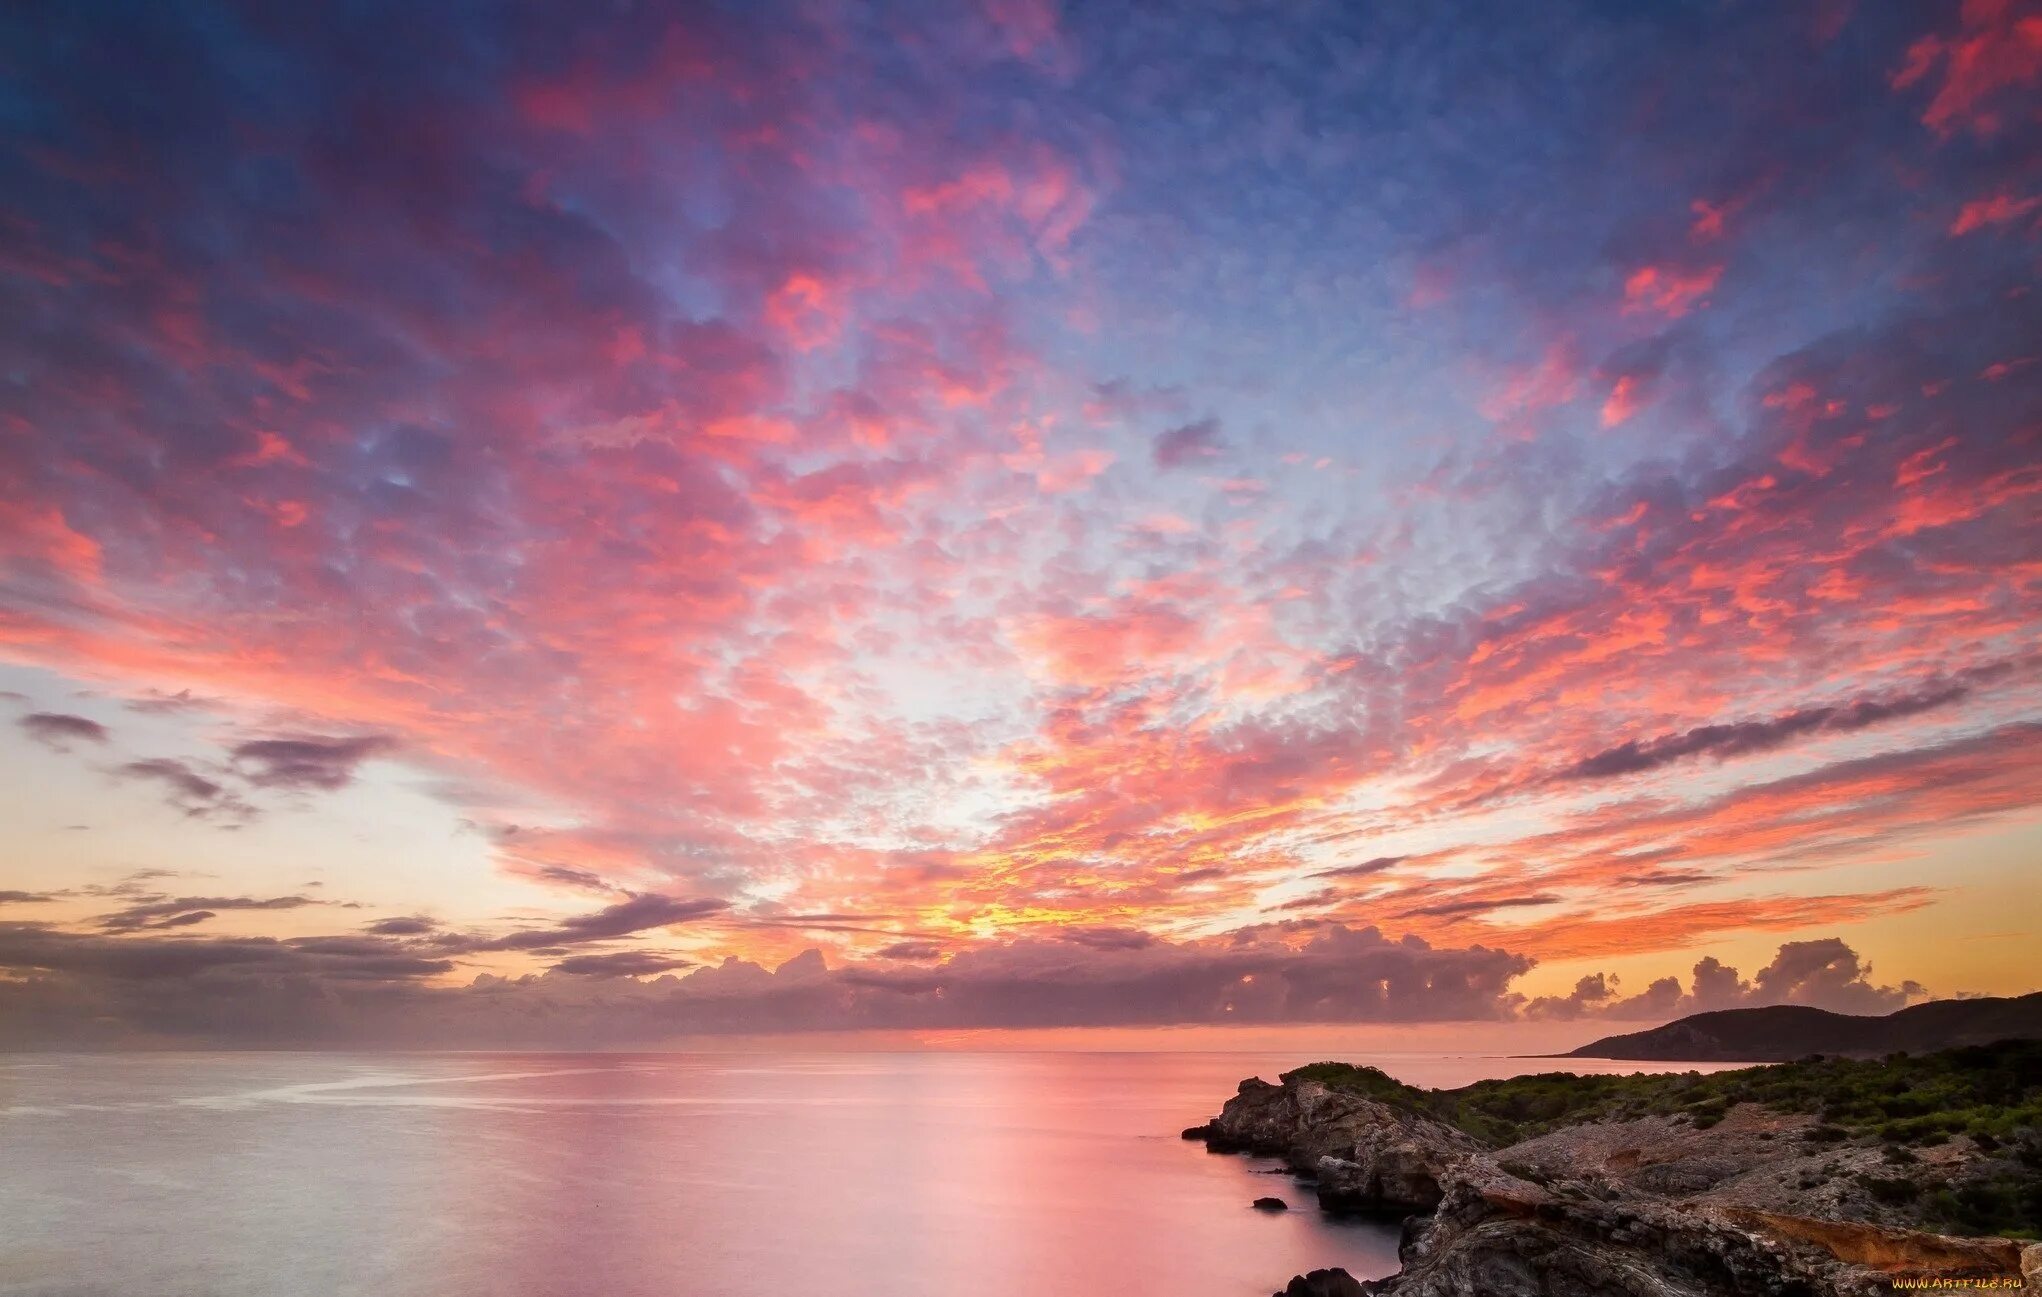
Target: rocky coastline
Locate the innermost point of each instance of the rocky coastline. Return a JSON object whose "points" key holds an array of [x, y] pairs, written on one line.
{"points": [[1745, 1199], [1358, 1154]]}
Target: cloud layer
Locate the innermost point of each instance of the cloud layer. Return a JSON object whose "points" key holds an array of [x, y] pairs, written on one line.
{"points": [[388, 989], [971, 487]]}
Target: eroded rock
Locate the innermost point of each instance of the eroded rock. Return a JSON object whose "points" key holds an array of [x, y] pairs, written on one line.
{"points": [[1648, 1207], [1891, 1251], [1363, 1155], [1323, 1283], [1495, 1235]]}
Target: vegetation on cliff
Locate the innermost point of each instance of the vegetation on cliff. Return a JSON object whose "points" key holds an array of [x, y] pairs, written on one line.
{"points": [[1990, 1095]]}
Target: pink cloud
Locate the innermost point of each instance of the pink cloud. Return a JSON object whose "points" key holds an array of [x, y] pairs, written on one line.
{"points": [[1669, 290]]}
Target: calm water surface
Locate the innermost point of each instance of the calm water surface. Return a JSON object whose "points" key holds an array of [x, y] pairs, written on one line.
{"points": [[668, 1175]]}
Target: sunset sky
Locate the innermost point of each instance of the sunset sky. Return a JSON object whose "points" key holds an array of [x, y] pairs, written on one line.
{"points": [[1082, 516]]}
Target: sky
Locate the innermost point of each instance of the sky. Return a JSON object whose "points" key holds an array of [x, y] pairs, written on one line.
{"points": [[616, 524]]}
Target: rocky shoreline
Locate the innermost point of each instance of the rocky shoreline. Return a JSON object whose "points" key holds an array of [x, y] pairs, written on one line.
{"points": [[1744, 1202], [1358, 1154]]}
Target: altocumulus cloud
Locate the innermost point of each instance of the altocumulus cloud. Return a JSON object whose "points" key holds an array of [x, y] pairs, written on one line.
{"points": [[183, 911], [308, 761], [649, 910], [61, 729], [1189, 443], [1741, 738]]}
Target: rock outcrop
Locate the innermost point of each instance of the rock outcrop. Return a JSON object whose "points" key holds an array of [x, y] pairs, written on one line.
{"points": [[1889, 1251], [1768, 1162], [1362, 1155], [1750, 1202], [1495, 1235], [1323, 1283]]}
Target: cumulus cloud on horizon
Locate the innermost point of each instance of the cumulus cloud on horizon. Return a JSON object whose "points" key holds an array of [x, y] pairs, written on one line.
{"points": [[1823, 974], [140, 981]]}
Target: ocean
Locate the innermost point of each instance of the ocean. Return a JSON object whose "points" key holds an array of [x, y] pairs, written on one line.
{"points": [[932, 1174]]}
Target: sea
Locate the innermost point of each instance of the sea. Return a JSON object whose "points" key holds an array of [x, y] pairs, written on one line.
{"points": [[908, 1174]]}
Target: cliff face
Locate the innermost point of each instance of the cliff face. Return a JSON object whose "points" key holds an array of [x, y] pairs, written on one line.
{"points": [[1752, 1158], [1499, 1236], [1747, 1206], [1362, 1155], [1890, 1251]]}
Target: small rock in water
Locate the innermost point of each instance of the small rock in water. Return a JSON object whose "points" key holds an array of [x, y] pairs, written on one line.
{"points": [[1271, 1204], [1323, 1283]]}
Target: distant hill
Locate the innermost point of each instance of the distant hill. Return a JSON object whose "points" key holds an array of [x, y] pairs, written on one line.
{"points": [[1781, 1032]]}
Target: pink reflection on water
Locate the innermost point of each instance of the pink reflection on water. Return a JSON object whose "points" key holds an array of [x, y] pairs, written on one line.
{"points": [[857, 1175], [878, 1174]]}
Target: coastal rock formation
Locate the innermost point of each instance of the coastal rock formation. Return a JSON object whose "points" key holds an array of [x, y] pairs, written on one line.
{"points": [[1670, 1155], [1323, 1283], [1811, 1179], [1363, 1155], [1499, 1236], [1757, 1160], [1890, 1251], [1495, 1235]]}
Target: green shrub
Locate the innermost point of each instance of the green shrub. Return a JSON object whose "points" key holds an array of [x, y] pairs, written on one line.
{"points": [[1889, 1191]]}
